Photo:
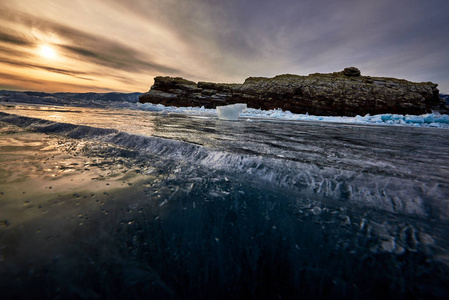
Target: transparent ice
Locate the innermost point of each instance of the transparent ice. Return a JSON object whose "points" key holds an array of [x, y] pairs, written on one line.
{"points": [[230, 112]]}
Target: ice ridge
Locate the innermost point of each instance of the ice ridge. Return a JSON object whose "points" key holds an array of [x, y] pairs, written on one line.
{"points": [[435, 120]]}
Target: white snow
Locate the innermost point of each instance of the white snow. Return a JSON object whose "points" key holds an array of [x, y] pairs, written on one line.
{"points": [[230, 112]]}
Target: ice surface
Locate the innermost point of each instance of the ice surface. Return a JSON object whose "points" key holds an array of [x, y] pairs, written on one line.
{"points": [[163, 196], [230, 112], [291, 159]]}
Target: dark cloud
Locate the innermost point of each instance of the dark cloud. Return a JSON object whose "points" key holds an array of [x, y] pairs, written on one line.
{"points": [[18, 78], [13, 52], [38, 85], [116, 56], [13, 39], [42, 67]]}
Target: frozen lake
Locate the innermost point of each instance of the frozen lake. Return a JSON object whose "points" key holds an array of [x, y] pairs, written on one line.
{"points": [[120, 203]]}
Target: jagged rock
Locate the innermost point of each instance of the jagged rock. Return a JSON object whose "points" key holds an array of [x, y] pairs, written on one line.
{"points": [[345, 93], [351, 72]]}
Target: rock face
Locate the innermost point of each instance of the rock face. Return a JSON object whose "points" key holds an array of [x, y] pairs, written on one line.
{"points": [[344, 93]]}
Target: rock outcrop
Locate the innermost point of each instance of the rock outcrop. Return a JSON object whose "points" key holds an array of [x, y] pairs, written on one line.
{"points": [[345, 93]]}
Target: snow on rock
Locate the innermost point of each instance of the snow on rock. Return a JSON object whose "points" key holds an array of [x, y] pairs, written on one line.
{"points": [[230, 112]]}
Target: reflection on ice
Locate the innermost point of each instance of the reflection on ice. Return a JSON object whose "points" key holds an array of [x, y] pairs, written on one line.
{"points": [[132, 121]]}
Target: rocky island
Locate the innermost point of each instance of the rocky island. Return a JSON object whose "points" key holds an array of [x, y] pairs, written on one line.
{"points": [[345, 93]]}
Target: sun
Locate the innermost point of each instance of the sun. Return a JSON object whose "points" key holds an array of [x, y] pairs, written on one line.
{"points": [[47, 52]]}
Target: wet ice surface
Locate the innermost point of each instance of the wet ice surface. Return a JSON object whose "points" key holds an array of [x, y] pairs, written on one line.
{"points": [[137, 122], [195, 207]]}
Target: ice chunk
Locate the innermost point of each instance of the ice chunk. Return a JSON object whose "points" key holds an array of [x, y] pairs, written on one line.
{"points": [[428, 118], [441, 119], [414, 119], [230, 112]]}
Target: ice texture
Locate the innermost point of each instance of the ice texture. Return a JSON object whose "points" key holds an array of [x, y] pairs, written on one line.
{"points": [[230, 112], [186, 201], [289, 161]]}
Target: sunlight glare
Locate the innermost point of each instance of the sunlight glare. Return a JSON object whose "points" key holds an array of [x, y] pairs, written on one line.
{"points": [[47, 52]]}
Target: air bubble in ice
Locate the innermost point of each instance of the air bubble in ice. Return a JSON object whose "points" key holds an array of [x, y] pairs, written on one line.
{"points": [[316, 210], [388, 245]]}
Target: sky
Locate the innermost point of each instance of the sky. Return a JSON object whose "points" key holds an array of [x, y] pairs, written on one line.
{"points": [[120, 46]]}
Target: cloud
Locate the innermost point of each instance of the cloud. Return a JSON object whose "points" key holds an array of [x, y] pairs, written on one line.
{"points": [[13, 52], [19, 78], [236, 39], [42, 67], [89, 47], [103, 51], [29, 84], [116, 56], [13, 39], [230, 40]]}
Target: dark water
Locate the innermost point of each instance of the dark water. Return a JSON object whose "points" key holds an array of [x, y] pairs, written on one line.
{"points": [[209, 209]]}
